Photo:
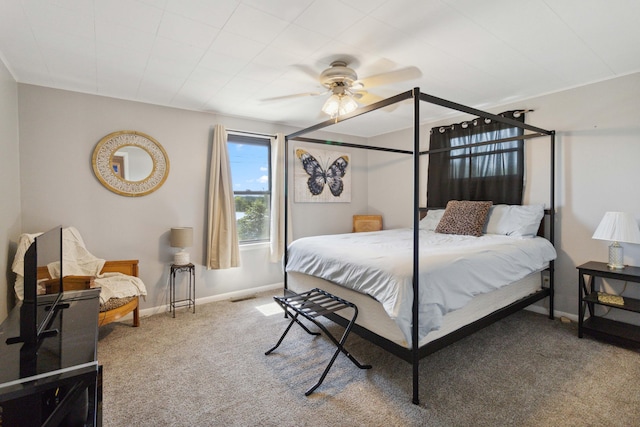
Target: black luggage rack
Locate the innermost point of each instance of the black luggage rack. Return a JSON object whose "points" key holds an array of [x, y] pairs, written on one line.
{"points": [[310, 305]]}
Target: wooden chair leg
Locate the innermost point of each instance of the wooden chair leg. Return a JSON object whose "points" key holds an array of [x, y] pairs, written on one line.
{"points": [[136, 316]]}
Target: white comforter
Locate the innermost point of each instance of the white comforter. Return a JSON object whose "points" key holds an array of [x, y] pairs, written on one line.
{"points": [[452, 268]]}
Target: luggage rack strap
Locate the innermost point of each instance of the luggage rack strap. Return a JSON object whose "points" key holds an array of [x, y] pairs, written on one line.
{"points": [[314, 303]]}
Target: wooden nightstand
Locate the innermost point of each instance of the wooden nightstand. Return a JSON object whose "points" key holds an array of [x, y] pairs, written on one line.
{"points": [[590, 296], [367, 223]]}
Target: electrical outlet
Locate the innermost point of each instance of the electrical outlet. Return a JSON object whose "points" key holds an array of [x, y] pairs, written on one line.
{"points": [[545, 281]]}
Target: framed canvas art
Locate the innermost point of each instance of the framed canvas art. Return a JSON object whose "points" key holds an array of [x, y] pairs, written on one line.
{"points": [[321, 176]]}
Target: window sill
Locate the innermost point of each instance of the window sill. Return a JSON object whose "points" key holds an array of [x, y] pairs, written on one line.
{"points": [[253, 246]]}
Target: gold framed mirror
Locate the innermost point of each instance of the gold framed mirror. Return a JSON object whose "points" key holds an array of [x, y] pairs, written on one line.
{"points": [[130, 163]]}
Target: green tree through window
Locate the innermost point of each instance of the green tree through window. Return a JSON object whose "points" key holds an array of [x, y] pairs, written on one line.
{"points": [[254, 225]]}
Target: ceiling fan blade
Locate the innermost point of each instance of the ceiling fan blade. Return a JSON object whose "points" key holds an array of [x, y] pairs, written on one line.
{"points": [[403, 74], [366, 98], [295, 95], [313, 74]]}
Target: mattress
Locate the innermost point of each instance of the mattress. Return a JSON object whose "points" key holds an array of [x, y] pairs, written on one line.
{"points": [[452, 269], [372, 316]]}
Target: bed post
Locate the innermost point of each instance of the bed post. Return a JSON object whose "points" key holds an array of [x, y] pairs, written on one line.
{"points": [[415, 353], [552, 219], [286, 211]]}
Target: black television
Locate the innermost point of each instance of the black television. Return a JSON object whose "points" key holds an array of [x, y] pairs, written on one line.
{"points": [[38, 311], [48, 397]]}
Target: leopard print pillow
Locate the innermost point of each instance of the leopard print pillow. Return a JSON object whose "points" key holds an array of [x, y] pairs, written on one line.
{"points": [[464, 217]]}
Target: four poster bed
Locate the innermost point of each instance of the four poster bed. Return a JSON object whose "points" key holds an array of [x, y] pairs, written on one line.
{"points": [[385, 289]]}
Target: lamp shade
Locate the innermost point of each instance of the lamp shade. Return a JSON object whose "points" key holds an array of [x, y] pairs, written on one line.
{"points": [[618, 227], [181, 237], [338, 105]]}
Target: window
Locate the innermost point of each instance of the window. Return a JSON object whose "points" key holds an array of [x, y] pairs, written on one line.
{"points": [[485, 160], [475, 170], [250, 160]]}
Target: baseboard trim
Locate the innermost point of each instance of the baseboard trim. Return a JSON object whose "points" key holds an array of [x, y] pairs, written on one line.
{"points": [[236, 295], [556, 313]]}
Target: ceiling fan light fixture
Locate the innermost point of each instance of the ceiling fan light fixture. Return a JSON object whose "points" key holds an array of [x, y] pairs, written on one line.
{"points": [[338, 105]]}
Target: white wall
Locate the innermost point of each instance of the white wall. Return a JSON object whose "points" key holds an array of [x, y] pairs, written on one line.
{"points": [[59, 131], [9, 186], [598, 153], [597, 149], [391, 184]]}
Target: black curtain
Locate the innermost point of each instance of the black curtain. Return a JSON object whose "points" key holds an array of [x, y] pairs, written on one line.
{"points": [[485, 172]]}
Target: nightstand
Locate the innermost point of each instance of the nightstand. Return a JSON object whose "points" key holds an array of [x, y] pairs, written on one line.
{"points": [[367, 223], [190, 301], [590, 296]]}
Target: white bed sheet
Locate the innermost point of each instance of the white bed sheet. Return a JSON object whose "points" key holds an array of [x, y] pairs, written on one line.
{"points": [[371, 314], [453, 269]]}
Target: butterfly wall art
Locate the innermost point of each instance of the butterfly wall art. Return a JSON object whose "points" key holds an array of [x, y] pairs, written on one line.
{"points": [[322, 176]]}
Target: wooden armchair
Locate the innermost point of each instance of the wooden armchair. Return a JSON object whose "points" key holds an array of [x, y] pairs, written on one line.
{"points": [[116, 309]]}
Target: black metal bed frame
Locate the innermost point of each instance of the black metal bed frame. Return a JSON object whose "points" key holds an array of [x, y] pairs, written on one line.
{"points": [[415, 353]]}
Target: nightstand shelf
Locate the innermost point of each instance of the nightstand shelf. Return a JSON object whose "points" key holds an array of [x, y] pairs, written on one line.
{"points": [[597, 326], [606, 328], [630, 304]]}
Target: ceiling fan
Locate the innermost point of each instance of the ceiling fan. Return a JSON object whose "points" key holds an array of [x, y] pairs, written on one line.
{"points": [[347, 91]]}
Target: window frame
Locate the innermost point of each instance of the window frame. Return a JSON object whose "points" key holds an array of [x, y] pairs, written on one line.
{"points": [[474, 153], [263, 141]]}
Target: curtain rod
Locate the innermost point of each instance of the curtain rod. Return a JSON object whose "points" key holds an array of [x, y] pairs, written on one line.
{"points": [[244, 132], [518, 112], [479, 144]]}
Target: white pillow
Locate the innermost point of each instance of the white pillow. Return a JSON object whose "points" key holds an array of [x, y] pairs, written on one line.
{"points": [[431, 220], [515, 220]]}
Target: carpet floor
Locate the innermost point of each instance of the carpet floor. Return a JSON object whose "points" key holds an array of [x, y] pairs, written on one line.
{"points": [[209, 369]]}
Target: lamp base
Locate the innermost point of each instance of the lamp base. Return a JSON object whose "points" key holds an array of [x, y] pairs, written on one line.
{"points": [[181, 258], [616, 256]]}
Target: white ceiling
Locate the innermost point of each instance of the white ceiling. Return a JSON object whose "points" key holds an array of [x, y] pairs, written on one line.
{"points": [[227, 56]]}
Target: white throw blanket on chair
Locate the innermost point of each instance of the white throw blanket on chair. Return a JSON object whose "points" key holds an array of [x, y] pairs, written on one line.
{"points": [[78, 261]]}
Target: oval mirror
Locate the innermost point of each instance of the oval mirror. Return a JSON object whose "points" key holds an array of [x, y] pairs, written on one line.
{"points": [[130, 163]]}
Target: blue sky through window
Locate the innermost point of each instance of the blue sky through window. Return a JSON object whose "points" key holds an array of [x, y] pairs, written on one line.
{"points": [[249, 167]]}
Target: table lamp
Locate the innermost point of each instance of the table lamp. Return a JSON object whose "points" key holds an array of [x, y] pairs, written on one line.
{"points": [[617, 227], [181, 237]]}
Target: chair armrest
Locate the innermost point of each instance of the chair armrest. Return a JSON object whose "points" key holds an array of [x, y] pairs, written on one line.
{"points": [[77, 283], [128, 267]]}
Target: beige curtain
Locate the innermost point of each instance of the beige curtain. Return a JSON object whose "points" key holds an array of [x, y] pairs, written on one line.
{"points": [[223, 250], [277, 198]]}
